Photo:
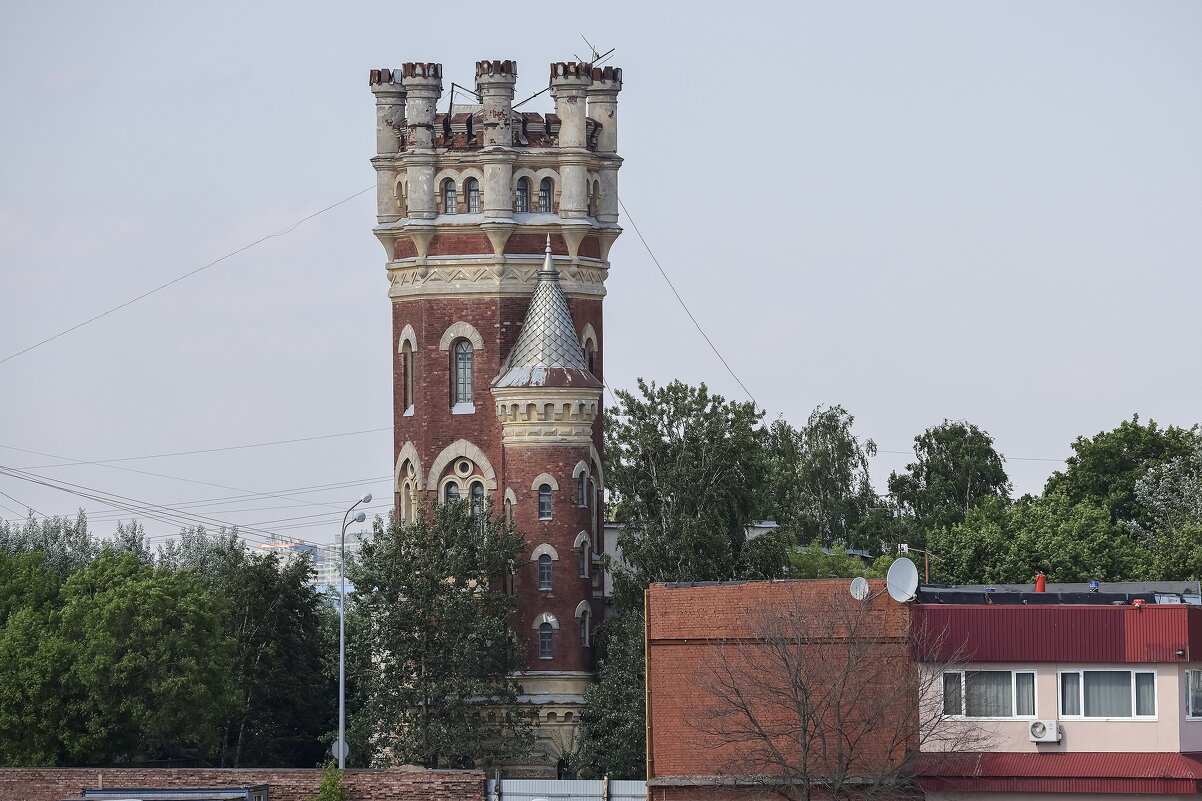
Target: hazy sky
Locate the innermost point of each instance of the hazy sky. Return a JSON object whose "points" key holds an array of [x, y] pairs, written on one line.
{"points": [[981, 211]]}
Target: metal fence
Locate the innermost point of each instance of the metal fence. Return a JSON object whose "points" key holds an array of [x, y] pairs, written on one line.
{"points": [[566, 790]]}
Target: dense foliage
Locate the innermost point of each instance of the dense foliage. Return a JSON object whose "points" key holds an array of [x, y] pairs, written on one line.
{"points": [[204, 651], [434, 655]]}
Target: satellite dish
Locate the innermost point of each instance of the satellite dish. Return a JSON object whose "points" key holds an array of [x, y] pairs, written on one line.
{"points": [[902, 580], [859, 588]]}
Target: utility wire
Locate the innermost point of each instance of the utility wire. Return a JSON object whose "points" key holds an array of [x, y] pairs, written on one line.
{"points": [[684, 306], [192, 453], [120, 306]]}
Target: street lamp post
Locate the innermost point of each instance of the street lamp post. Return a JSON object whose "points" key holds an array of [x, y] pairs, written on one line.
{"points": [[340, 747]]}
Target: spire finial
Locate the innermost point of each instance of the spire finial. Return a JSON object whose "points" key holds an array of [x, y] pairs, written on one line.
{"points": [[548, 264]]}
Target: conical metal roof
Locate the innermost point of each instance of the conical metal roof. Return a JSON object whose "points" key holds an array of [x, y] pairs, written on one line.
{"points": [[547, 352]]}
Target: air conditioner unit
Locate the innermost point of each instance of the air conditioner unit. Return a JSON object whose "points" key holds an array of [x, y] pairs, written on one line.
{"points": [[1044, 731]]}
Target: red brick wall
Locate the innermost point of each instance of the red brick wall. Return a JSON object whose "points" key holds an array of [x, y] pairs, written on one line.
{"points": [[404, 784], [696, 631]]}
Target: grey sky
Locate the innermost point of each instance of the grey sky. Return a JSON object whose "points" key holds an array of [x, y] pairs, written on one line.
{"points": [[981, 211]]}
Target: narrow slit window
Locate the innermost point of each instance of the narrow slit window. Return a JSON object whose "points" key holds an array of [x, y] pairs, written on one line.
{"points": [[477, 500], [463, 372], [585, 638], [546, 641], [545, 190], [544, 572], [544, 501]]}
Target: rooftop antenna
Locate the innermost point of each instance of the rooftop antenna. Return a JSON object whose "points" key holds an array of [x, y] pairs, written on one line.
{"points": [[859, 588], [597, 60]]}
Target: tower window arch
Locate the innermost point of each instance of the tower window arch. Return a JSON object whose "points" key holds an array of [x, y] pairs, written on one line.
{"points": [[544, 501], [449, 199], [521, 200], [472, 189], [586, 638], [461, 372], [407, 373], [450, 492], [582, 490], [546, 188], [544, 572], [546, 641]]}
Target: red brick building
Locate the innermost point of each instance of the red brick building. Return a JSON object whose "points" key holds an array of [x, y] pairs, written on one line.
{"points": [[497, 226], [787, 688]]}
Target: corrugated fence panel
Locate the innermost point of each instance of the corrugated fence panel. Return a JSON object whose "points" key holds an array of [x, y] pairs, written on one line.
{"points": [[565, 790]]}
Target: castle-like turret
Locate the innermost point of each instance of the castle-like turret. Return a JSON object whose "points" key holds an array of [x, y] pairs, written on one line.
{"points": [[497, 226]]}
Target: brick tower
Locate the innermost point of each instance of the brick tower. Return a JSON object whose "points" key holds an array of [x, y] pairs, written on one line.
{"points": [[497, 226]]}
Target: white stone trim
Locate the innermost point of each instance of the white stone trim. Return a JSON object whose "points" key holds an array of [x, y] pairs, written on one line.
{"points": [[408, 454], [583, 607], [462, 448], [581, 467], [598, 472], [544, 549], [536, 178], [588, 334], [544, 478], [461, 330], [582, 539], [510, 496], [459, 176], [545, 617], [407, 335]]}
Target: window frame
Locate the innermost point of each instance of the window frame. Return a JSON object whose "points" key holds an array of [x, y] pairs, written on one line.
{"points": [[545, 506], [546, 578], [471, 192], [546, 196], [450, 197], [546, 641], [462, 373], [521, 196], [447, 489], [586, 634], [1080, 674], [1189, 682], [1013, 694]]}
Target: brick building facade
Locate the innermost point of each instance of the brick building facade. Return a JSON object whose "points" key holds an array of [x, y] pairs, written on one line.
{"points": [[783, 689], [497, 226]]}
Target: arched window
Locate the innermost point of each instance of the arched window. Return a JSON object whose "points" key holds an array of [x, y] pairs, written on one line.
{"points": [[582, 490], [545, 190], [451, 492], [472, 190], [508, 511], [449, 200], [407, 375], [544, 501], [546, 641], [461, 392], [477, 499], [544, 572], [590, 353], [521, 200], [584, 560], [585, 634]]}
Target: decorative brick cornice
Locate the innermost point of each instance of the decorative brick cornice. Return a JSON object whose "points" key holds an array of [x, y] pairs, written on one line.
{"points": [[547, 415]]}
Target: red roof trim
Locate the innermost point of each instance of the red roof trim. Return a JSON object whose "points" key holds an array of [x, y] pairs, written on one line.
{"points": [[1060, 785], [1009, 767]]}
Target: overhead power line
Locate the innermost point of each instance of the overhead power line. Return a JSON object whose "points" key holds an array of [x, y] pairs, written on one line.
{"points": [[177, 279], [685, 306]]}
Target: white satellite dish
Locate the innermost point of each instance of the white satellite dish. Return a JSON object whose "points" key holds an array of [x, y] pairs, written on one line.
{"points": [[859, 588], [902, 580]]}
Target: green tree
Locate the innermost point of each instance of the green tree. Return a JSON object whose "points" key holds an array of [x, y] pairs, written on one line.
{"points": [[686, 469], [819, 478], [1065, 540], [65, 543], [33, 711], [955, 469], [283, 633], [1105, 468], [611, 736], [433, 650]]}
